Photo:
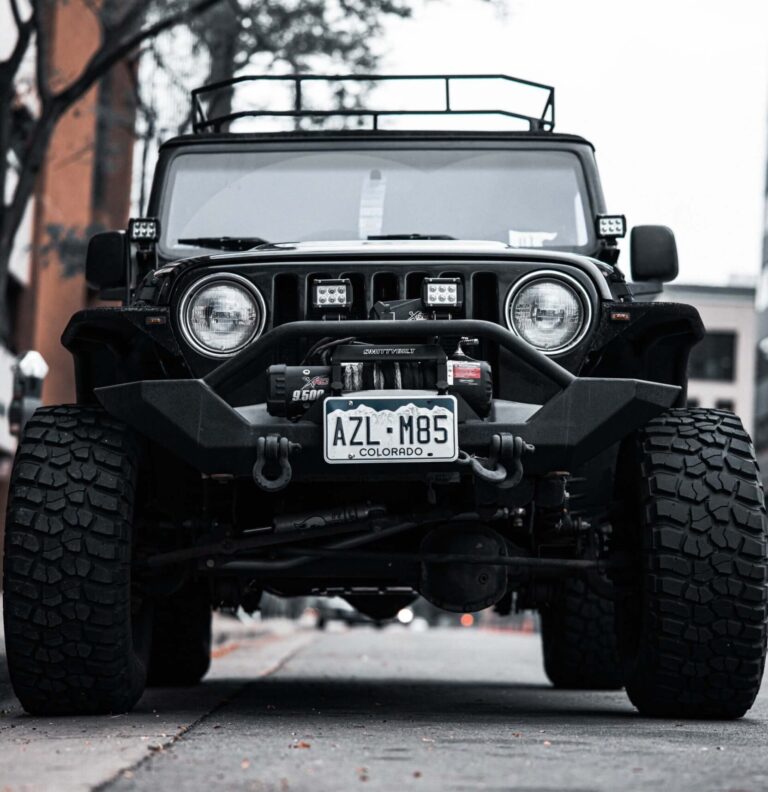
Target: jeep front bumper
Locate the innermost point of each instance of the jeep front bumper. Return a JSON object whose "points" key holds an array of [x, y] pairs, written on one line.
{"points": [[193, 419]]}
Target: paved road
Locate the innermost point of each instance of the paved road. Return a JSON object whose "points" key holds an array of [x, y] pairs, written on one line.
{"points": [[388, 710]]}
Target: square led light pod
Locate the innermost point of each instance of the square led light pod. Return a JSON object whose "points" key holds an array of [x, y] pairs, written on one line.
{"points": [[332, 294], [445, 293], [611, 226], [143, 229]]}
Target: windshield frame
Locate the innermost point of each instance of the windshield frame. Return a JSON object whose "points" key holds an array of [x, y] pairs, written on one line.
{"points": [[594, 202]]}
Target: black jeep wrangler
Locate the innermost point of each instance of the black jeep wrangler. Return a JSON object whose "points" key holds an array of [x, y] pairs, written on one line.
{"points": [[382, 363]]}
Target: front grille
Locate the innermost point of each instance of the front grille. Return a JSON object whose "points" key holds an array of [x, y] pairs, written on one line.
{"points": [[291, 294]]}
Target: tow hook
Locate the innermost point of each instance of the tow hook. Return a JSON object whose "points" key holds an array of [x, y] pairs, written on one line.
{"points": [[504, 455], [272, 453]]}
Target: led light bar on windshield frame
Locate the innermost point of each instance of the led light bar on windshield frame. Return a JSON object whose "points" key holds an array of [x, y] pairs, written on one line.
{"points": [[144, 229], [611, 226]]}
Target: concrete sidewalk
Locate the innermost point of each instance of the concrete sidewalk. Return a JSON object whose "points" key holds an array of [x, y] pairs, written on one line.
{"points": [[443, 710], [79, 754]]}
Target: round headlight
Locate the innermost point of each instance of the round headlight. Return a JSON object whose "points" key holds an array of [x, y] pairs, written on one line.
{"points": [[221, 314], [550, 312]]}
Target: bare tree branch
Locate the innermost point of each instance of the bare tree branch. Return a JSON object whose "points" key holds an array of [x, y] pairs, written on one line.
{"points": [[24, 34], [16, 14], [8, 70], [106, 57], [128, 21], [40, 18]]}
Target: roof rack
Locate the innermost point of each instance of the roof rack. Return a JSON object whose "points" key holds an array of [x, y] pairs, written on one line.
{"points": [[202, 122]]}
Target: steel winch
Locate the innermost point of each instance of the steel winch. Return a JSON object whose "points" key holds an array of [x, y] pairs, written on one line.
{"points": [[292, 390]]}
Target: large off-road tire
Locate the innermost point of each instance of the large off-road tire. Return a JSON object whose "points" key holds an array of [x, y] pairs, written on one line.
{"points": [[181, 637], [692, 623], [74, 633], [579, 639]]}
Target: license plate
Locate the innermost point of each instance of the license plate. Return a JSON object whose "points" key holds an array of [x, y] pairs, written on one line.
{"points": [[390, 429]]}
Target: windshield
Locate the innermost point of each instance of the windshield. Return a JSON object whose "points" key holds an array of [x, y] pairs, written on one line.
{"points": [[525, 198]]}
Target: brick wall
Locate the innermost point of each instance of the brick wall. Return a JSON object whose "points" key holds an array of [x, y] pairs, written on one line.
{"points": [[86, 181]]}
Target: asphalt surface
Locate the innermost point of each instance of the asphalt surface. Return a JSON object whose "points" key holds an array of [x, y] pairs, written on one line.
{"points": [[459, 709]]}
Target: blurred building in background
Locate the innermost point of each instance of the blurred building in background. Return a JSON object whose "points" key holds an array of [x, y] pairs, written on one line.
{"points": [[721, 368], [84, 186], [760, 434]]}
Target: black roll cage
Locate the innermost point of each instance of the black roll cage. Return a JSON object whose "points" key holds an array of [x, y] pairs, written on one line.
{"points": [[202, 122]]}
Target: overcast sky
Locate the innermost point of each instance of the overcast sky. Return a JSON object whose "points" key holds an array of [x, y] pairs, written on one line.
{"points": [[673, 93]]}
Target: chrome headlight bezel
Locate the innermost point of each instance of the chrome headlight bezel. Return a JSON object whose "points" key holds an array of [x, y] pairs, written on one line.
{"points": [[215, 279], [565, 280]]}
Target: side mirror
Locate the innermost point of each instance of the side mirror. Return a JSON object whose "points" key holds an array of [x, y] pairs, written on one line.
{"points": [[653, 253], [107, 262]]}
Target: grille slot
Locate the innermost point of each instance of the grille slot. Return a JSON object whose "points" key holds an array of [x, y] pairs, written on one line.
{"points": [[286, 304], [359, 294], [484, 293], [385, 287], [413, 283]]}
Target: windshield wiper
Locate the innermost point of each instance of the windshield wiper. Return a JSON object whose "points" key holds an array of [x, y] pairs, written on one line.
{"points": [[381, 237], [224, 242]]}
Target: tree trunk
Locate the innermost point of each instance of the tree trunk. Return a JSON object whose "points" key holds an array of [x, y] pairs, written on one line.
{"points": [[5, 243], [5, 319], [223, 48], [13, 213]]}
